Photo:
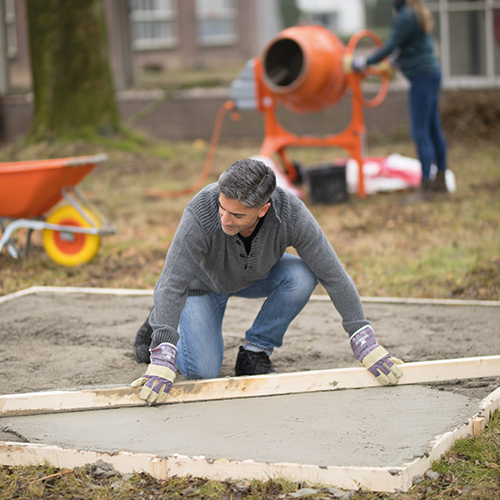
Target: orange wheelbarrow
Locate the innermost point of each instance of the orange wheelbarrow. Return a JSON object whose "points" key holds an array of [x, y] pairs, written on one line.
{"points": [[29, 193]]}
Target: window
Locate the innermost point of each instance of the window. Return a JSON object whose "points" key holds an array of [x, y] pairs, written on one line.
{"points": [[153, 24], [496, 39], [467, 38], [327, 19], [10, 24], [468, 47], [216, 22]]}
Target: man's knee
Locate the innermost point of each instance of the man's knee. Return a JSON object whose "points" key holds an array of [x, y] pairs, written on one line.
{"points": [[300, 274], [200, 368]]}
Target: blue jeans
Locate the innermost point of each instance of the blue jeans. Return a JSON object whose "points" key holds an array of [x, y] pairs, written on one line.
{"points": [[288, 288], [425, 122]]}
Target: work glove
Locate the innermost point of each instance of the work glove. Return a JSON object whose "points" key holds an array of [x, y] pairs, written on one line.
{"points": [[358, 64], [386, 67], [159, 376], [374, 357]]}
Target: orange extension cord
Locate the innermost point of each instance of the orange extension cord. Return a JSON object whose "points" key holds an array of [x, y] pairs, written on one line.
{"points": [[219, 120]]}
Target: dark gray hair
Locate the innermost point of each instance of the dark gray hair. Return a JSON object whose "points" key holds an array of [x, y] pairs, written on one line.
{"points": [[251, 182]]}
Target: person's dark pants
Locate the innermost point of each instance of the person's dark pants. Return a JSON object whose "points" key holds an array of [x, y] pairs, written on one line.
{"points": [[425, 122]]}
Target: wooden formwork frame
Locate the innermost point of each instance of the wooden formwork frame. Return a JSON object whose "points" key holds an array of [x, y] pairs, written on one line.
{"points": [[134, 292], [397, 478]]}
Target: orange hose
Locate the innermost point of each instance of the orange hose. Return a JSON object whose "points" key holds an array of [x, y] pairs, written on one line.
{"points": [[219, 120]]}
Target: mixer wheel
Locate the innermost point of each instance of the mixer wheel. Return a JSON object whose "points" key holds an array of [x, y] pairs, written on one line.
{"points": [[381, 71], [69, 248]]}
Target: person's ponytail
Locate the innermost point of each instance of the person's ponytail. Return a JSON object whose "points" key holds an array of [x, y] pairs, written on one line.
{"points": [[424, 16]]}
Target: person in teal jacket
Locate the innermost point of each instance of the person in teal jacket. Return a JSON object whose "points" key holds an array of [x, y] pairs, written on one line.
{"points": [[412, 49]]}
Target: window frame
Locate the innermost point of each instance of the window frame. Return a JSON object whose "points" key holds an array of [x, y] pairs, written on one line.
{"points": [[227, 14], [10, 28], [155, 15], [444, 8]]}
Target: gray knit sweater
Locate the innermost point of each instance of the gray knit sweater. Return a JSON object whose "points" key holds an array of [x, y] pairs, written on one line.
{"points": [[202, 258]]}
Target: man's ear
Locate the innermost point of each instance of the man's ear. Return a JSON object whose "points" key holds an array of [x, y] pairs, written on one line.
{"points": [[264, 209]]}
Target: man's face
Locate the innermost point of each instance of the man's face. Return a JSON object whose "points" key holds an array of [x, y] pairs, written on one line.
{"points": [[236, 218]]}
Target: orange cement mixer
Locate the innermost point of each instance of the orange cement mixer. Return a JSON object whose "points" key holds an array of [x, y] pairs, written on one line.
{"points": [[306, 69]]}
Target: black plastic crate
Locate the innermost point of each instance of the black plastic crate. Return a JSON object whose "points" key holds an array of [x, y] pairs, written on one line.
{"points": [[327, 184]]}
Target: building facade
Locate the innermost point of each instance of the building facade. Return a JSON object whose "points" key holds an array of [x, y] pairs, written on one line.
{"points": [[165, 35], [159, 35]]}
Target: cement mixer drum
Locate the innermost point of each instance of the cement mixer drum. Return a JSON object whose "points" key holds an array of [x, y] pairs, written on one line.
{"points": [[302, 65]]}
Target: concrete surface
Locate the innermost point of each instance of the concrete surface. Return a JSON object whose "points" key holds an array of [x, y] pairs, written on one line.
{"points": [[75, 340], [365, 427]]}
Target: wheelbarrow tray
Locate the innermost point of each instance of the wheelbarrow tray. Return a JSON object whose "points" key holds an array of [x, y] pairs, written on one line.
{"points": [[31, 188]]}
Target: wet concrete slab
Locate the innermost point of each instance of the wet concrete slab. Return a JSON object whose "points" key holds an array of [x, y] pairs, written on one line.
{"points": [[386, 426]]}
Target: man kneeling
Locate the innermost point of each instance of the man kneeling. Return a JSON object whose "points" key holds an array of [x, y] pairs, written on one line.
{"points": [[231, 242]]}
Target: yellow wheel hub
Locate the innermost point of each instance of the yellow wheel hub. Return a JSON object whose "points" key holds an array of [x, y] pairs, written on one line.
{"points": [[66, 247]]}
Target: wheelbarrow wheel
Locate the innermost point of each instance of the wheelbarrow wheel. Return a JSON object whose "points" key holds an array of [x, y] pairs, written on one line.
{"points": [[69, 248]]}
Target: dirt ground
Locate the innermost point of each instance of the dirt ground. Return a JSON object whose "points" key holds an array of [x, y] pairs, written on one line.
{"points": [[76, 340]]}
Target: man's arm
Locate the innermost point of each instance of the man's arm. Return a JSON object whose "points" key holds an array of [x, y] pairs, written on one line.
{"points": [[171, 291], [316, 251], [181, 264]]}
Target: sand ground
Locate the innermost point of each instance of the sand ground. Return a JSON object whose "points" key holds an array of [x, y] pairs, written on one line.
{"points": [[75, 340]]}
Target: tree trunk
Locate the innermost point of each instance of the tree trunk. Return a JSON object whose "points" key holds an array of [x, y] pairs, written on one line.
{"points": [[72, 82]]}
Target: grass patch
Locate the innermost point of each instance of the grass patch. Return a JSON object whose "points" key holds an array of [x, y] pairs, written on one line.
{"points": [[445, 249], [186, 78]]}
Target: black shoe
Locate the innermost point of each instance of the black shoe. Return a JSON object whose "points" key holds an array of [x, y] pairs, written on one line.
{"points": [[142, 342], [423, 193], [439, 183], [252, 363]]}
